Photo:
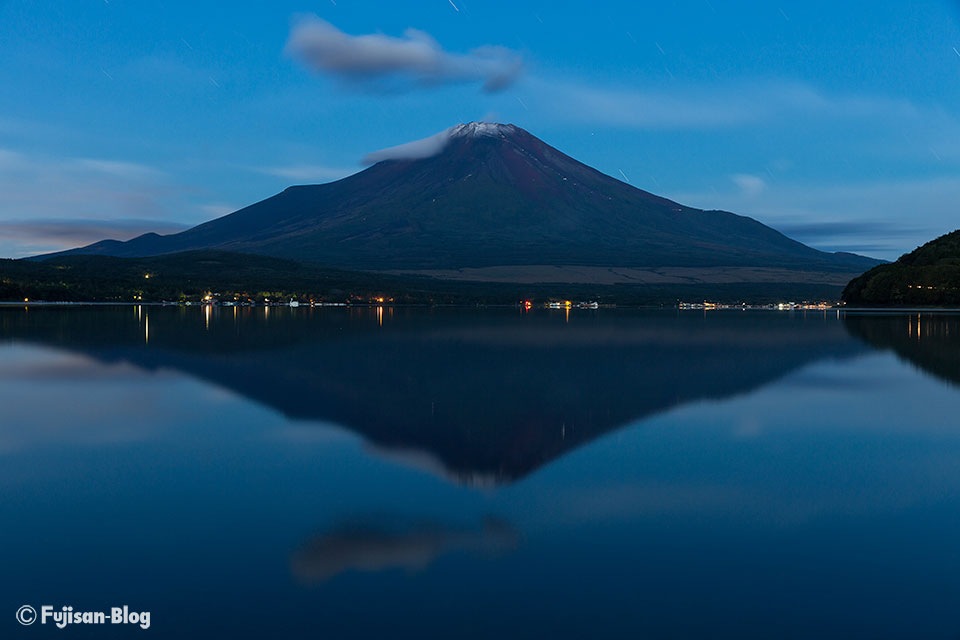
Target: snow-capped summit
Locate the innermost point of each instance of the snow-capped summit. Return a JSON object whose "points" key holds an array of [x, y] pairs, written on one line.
{"points": [[478, 129], [432, 145]]}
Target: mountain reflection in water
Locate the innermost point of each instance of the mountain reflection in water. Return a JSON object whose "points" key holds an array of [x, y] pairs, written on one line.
{"points": [[723, 475], [485, 397]]}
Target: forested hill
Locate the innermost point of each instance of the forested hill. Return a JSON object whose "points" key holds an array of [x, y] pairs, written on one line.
{"points": [[928, 276]]}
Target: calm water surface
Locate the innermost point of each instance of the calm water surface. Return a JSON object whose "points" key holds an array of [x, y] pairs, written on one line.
{"points": [[377, 473]]}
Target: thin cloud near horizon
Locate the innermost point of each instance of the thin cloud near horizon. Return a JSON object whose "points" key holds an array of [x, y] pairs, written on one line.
{"points": [[861, 217], [39, 236]]}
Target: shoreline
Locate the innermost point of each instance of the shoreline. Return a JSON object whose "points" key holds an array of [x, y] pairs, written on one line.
{"points": [[676, 307]]}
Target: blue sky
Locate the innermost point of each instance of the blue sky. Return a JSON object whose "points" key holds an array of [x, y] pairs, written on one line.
{"points": [[837, 123]]}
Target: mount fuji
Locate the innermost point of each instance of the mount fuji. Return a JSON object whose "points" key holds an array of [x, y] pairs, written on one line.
{"points": [[492, 202]]}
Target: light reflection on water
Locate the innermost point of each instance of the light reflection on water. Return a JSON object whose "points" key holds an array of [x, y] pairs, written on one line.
{"points": [[384, 472]]}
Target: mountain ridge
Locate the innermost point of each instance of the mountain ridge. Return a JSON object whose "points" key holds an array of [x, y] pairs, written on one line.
{"points": [[486, 195]]}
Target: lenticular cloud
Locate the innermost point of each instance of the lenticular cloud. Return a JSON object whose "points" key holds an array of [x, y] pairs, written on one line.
{"points": [[415, 59]]}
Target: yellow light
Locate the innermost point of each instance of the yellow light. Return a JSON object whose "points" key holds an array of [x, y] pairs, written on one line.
{"points": [[147, 276], [26, 299]]}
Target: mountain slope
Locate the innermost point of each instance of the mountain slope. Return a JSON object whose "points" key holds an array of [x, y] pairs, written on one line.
{"points": [[492, 195], [929, 275]]}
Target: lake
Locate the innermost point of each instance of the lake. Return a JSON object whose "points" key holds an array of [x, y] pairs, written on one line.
{"points": [[480, 473]]}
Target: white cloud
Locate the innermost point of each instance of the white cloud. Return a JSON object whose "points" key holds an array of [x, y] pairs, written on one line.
{"points": [[415, 57], [423, 148], [432, 145], [750, 185]]}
